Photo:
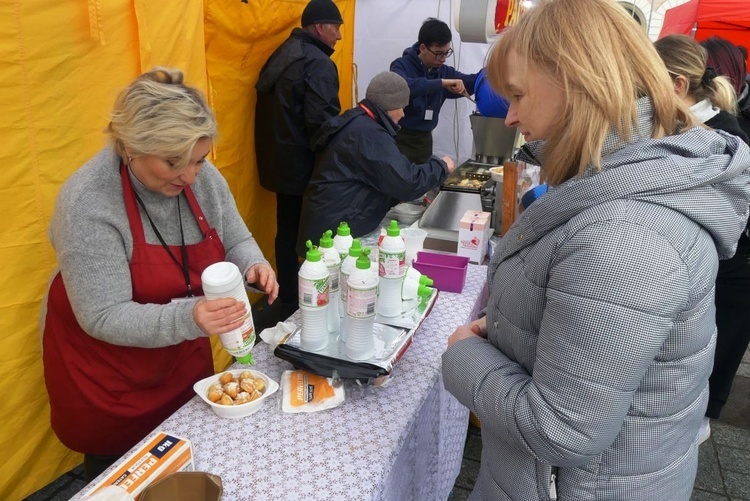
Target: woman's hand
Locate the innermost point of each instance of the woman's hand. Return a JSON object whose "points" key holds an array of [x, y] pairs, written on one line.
{"points": [[263, 277], [218, 316], [477, 328]]}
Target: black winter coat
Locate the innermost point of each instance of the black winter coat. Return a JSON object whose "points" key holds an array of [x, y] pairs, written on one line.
{"points": [[360, 174], [297, 92]]}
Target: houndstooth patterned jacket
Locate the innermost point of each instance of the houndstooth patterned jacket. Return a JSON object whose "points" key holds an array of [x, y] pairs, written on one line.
{"points": [[592, 381]]}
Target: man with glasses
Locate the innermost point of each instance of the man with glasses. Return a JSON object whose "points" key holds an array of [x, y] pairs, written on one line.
{"points": [[298, 91], [431, 82]]}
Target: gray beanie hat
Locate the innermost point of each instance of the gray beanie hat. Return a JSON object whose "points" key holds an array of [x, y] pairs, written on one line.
{"points": [[388, 90]]}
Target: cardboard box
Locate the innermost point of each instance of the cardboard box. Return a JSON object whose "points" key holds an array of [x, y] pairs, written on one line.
{"points": [[474, 235], [161, 455]]}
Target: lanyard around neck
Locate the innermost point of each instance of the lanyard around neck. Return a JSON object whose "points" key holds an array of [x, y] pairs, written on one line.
{"points": [[184, 265]]}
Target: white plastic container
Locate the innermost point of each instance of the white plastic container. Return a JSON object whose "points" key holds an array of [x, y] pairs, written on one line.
{"points": [[343, 240], [391, 269], [235, 411], [333, 262], [347, 267], [360, 310], [224, 280], [314, 285]]}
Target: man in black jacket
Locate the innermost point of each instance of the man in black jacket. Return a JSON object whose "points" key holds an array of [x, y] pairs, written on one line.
{"points": [[360, 173], [297, 92]]}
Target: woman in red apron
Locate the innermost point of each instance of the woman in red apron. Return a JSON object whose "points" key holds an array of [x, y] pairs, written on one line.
{"points": [[106, 396]]}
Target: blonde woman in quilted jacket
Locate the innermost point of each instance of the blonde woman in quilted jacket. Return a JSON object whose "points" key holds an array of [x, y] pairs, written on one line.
{"points": [[589, 372]]}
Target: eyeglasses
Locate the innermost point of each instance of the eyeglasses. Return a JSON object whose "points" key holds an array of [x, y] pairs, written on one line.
{"points": [[441, 55]]}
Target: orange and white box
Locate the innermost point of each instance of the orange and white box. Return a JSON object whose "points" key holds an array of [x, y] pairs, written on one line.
{"points": [[474, 235], [160, 456]]}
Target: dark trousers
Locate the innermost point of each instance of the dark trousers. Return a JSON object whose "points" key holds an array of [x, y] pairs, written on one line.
{"points": [[415, 145], [94, 465], [288, 210], [732, 329]]}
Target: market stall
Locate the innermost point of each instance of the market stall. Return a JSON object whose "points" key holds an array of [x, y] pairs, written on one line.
{"points": [[401, 440]]}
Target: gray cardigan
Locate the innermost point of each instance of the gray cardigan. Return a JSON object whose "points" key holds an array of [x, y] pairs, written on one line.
{"points": [[601, 324], [93, 243]]}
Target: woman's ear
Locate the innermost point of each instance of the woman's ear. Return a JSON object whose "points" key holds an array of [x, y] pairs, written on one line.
{"points": [[681, 86]]}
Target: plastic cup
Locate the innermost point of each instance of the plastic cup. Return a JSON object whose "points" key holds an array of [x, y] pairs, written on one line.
{"points": [[414, 240]]}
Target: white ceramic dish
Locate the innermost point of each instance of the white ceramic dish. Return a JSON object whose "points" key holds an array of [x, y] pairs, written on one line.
{"points": [[235, 411], [408, 213], [496, 173]]}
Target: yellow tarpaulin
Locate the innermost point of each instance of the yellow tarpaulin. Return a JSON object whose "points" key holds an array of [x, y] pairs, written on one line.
{"points": [[61, 65]]}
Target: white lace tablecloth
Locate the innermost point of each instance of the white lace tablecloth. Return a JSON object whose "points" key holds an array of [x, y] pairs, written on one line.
{"points": [[402, 441]]}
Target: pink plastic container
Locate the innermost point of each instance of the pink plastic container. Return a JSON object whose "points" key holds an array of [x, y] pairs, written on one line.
{"points": [[446, 270]]}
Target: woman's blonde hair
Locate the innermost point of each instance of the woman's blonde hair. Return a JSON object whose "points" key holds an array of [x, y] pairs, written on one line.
{"points": [[685, 57], [604, 62], [157, 114]]}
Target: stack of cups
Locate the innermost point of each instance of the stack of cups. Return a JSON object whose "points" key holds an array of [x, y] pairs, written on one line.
{"points": [[223, 280], [414, 240], [360, 310], [391, 269], [333, 263], [347, 267], [314, 284]]}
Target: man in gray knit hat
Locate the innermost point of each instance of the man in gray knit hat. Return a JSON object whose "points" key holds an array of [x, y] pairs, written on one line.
{"points": [[360, 173]]}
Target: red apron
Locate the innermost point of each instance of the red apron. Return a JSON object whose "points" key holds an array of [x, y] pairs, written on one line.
{"points": [[105, 398]]}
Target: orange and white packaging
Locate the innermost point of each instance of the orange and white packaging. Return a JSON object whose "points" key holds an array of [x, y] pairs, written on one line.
{"points": [[161, 455], [307, 392], [474, 235]]}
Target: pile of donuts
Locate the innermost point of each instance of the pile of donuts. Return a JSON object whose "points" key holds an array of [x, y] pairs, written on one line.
{"points": [[236, 390]]}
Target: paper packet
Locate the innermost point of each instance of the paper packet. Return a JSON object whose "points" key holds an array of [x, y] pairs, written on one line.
{"points": [[307, 392]]}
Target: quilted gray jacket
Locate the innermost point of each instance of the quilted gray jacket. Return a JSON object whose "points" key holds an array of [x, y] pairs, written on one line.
{"points": [[592, 381]]}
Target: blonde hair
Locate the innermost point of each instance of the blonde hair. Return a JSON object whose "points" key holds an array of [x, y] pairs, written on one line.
{"points": [[604, 62], [157, 114], [685, 57]]}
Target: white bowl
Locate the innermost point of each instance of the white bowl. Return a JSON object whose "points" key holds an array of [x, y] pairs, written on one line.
{"points": [[408, 213], [496, 173], [235, 411]]}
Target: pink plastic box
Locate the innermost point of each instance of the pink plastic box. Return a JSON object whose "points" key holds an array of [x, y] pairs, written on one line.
{"points": [[446, 270]]}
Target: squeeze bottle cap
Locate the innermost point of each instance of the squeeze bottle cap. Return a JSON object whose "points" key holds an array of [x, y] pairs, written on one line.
{"points": [[313, 254], [326, 242], [356, 248], [425, 280], [247, 359], [424, 291], [343, 230], [393, 230], [363, 261]]}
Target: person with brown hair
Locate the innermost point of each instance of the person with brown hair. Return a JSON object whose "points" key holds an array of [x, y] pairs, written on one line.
{"points": [[728, 60], [589, 372], [126, 327], [733, 278]]}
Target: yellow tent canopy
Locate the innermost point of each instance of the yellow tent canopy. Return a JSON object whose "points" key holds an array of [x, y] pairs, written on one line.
{"points": [[62, 65]]}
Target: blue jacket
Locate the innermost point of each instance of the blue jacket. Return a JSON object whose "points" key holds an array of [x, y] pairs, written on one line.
{"points": [[426, 89]]}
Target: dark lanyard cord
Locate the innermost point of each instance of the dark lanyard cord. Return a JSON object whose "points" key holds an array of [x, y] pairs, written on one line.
{"points": [[184, 265]]}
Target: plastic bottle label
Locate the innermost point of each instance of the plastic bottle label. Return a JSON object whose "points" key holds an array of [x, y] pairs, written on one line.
{"points": [[313, 293], [361, 302], [391, 264], [333, 273], [344, 287]]}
